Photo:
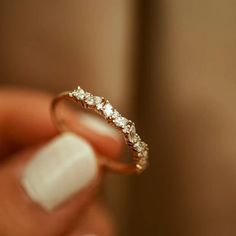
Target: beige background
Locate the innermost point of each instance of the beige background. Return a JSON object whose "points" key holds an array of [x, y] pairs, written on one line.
{"points": [[179, 56]]}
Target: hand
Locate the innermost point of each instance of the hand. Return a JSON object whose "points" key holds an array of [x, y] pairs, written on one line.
{"points": [[38, 195]]}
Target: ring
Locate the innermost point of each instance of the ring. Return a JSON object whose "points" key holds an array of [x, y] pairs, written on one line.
{"points": [[139, 149]]}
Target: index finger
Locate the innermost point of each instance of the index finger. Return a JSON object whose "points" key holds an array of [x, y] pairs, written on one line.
{"points": [[25, 120]]}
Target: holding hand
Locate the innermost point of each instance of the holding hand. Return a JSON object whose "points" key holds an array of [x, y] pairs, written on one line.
{"points": [[48, 186]]}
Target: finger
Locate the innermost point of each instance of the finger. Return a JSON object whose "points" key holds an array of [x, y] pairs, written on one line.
{"points": [[44, 194], [95, 129], [95, 221], [25, 120]]}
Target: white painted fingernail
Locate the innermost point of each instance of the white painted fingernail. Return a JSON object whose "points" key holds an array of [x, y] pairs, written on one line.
{"points": [[59, 170], [98, 125]]}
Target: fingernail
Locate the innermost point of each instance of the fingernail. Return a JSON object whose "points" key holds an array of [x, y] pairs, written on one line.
{"points": [[59, 170], [98, 125]]}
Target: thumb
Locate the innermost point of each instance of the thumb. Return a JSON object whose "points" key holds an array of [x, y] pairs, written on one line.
{"points": [[43, 195]]}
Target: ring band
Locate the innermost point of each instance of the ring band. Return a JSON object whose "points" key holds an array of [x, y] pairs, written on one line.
{"points": [[100, 105]]}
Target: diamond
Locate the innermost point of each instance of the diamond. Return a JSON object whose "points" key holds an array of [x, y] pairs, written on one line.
{"points": [[145, 146], [89, 99], [97, 100], [143, 154], [143, 161], [140, 168], [137, 147], [79, 93], [140, 146], [108, 110], [116, 114], [100, 106], [121, 121], [126, 129], [87, 94], [133, 136], [142, 164]]}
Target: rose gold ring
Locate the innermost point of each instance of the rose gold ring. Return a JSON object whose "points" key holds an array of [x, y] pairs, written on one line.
{"points": [[100, 105]]}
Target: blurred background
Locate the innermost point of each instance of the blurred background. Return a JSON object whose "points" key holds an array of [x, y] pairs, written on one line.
{"points": [[171, 66]]}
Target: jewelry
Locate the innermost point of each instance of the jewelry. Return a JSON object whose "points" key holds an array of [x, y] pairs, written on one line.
{"points": [[126, 127]]}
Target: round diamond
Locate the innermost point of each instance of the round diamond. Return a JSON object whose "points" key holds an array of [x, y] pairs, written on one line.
{"points": [[100, 106], [108, 110], [89, 99], [79, 94], [97, 100]]}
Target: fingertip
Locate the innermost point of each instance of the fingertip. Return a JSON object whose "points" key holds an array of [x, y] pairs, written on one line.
{"points": [[63, 167], [105, 138], [25, 118]]}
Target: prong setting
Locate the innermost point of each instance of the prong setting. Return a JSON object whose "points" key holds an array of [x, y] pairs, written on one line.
{"points": [[112, 116]]}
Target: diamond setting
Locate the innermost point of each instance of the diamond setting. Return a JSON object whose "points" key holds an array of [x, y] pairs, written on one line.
{"points": [[127, 127], [143, 161], [116, 114], [138, 147], [108, 110], [99, 106], [97, 100], [79, 94], [133, 136], [143, 154], [89, 99], [120, 121]]}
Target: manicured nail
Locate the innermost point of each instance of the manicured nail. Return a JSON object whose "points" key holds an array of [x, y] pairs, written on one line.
{"points": [[98, 125], [59, 170]]}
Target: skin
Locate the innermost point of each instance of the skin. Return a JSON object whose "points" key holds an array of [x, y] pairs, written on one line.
{"points": [[25, 125]]}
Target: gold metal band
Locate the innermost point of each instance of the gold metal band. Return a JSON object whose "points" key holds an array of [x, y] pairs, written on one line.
{"points": [[126, 127]]}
